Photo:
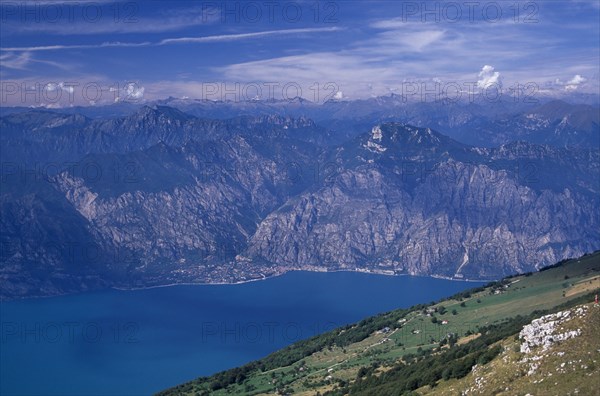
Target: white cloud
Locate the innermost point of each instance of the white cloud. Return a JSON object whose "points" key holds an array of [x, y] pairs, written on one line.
{"points": [[575, 82], [51, 87], [488, 77], [134, 92], [339, 95], [131, 92]]}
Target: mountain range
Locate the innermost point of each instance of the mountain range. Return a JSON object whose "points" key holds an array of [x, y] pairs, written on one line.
{"points": [[191, 191]]}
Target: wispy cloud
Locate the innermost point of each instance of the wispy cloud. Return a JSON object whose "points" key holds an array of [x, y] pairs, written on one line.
{"points": [[128, 21], [243, 36], [22, 60], [76, 46], [590, 3], [58, 2], [383, 51], [15, 61], [178, 40], [400, 51], [411, 40]]}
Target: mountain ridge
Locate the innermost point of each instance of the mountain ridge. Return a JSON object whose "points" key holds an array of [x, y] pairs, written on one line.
{"points": [[166, 197]]}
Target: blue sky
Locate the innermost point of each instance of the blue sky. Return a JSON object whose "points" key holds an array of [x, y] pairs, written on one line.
{"points": [[145, 50]]}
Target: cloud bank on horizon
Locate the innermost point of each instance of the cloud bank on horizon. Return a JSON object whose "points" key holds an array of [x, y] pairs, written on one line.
{"points": [[110, 51]]}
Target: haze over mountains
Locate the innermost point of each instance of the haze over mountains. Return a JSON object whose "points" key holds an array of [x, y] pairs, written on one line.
{"points": [[200, 191]]}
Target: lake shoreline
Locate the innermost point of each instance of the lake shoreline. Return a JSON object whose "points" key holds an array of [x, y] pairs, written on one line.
{"points": [[370, 272], [242, 282]]}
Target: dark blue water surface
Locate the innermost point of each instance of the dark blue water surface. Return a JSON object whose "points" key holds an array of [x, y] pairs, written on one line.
{"points": [[139, 342]]}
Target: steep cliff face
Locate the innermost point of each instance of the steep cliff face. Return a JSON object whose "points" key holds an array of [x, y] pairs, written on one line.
{"points": [[178, 209], [191, 203], [162, 197], [46, 246], [446, 210]]}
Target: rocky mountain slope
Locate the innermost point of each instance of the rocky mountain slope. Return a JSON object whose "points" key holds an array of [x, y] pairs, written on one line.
{"points": [[161, 196], [409, 200]]}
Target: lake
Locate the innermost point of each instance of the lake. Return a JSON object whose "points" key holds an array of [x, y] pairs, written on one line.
{"points": [[138, 342]]}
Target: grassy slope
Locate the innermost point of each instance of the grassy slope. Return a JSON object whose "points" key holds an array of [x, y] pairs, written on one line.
{"points": [[568, 367], [342, 353]]}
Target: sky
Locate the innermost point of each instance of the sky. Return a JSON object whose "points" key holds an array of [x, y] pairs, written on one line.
{"points": [[59, 53]]}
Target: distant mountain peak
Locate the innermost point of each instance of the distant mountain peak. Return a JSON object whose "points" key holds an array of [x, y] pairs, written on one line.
{"points": [[394, 140], [298, 99], [155, 112], [404, 135]]}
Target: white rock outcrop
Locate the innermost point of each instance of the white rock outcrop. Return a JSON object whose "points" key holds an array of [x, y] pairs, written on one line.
{"points": [[542, 333]]}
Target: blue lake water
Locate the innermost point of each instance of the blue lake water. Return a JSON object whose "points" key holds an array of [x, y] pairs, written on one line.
{"points": [[139, 342]]}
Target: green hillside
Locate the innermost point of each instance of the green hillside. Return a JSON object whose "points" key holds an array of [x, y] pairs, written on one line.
{"points": [[429, 348]]}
